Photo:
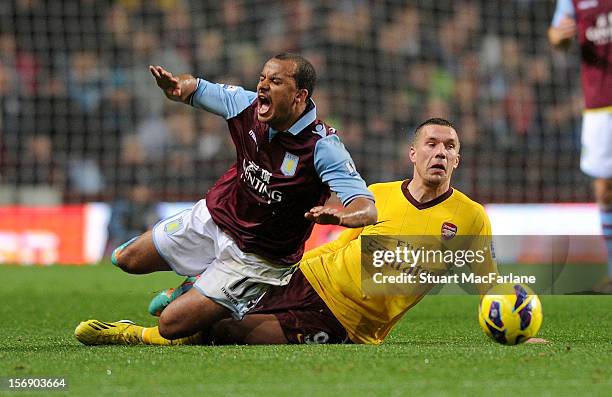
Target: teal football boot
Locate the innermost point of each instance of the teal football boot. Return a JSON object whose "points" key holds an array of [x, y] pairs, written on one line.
{"points": [[163, 299]]}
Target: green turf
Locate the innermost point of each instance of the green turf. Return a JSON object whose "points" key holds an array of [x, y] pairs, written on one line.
{"points": [[438, 349]]}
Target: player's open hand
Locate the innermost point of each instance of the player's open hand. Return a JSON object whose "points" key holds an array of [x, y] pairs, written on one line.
{"points": [[167, 82], [324, 215]]}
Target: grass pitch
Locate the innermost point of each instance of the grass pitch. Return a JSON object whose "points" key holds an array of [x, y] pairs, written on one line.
{"points": [[438, 348]]}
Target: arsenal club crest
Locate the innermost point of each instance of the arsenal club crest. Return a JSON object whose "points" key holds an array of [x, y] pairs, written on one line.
{"points": [[448, 231]]}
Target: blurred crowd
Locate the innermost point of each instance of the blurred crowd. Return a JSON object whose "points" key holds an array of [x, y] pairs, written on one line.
{"points": [[80, 112]]}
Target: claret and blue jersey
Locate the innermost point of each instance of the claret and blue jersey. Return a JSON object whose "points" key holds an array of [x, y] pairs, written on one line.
{"points": [[278, 176], [594, 20]]}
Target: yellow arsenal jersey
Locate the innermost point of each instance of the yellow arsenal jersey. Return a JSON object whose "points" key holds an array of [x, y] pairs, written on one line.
{"points": [[334, 269]]}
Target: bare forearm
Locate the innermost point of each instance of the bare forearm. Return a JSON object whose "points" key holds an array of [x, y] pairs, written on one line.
{"points": [[360, 212]]}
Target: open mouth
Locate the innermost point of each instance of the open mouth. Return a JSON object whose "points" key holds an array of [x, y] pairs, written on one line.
{"points": [[439, 167], [264, 104]]}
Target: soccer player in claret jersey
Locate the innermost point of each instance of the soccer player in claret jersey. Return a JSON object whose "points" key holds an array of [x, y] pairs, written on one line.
{"points": [[250, 230], [324, 301], [591, 21]]}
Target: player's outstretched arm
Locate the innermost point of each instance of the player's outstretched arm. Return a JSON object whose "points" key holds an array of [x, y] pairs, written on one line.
{"points": [[360, 212], [177, 88], [561, 36]]}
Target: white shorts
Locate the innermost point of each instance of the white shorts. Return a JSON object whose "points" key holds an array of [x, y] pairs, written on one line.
{"points": [[192, 244], [596, 157]]}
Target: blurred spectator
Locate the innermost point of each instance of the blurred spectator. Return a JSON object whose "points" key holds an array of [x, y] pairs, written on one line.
{"points": [[87, 80], [22, 64], [246, 59], [402, 35], [209, 54], [148, 49], [39, 167], [85, 177], [381, 165], [213, 142], [180, 171], [349, 22], [177, 29], [304, 29], [519, 105]]}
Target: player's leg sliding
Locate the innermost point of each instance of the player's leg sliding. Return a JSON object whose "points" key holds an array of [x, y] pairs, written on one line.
{"points": [[605, 286], [163, 299], [125, 332], [603, 193]]}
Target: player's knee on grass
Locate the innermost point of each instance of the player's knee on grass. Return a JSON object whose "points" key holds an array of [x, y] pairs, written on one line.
{"points": [[190, 313], [169, 326], [174, 324]]}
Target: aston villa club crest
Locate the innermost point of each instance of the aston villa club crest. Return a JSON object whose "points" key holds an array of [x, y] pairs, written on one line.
{"points": [[173, 226], [289, 165], [448, 231]]}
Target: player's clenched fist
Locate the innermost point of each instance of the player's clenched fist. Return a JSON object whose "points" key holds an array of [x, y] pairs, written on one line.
{"points": [[176, 88]]}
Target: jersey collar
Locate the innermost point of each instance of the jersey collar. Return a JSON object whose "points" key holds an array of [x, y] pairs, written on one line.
{"points": [[427, 204], [307, 118]]}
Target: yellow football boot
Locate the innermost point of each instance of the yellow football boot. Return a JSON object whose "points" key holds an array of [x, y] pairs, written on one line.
{"points": [[94, 332]]}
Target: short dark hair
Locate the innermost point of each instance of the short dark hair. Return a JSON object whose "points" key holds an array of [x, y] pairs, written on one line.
{"points": [[432, 121], [305, 76]]}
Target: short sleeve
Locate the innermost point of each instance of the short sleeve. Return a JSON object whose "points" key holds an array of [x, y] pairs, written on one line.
{"points": [[221, 99], [336, 168], [563, 8]]}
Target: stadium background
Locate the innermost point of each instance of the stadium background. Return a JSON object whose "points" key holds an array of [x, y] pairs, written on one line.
{"points": [[84, 129], [81, 119], [81, 113]]}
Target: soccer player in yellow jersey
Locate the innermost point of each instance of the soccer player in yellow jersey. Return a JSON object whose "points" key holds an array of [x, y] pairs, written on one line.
{"points": [[324, 301]]}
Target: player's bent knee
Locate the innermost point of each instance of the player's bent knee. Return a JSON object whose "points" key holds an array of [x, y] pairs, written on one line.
{"points": [[139, 256], [170, 326], [121, 255], [167, 331], [126, 260], [165, 327]]}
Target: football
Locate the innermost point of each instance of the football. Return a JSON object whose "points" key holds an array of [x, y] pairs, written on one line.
{"points": [[510, 314]]}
